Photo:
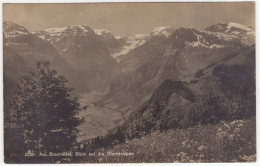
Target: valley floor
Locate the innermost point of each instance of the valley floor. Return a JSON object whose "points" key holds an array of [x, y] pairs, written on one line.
{"points": [[224, 142], [101, 116]]}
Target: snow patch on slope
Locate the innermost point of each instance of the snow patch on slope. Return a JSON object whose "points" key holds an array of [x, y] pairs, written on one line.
{"points": [[201, 41], [132, 43]]}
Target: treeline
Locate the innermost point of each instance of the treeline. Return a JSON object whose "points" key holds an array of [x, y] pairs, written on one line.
{"points": [[109, 140]]}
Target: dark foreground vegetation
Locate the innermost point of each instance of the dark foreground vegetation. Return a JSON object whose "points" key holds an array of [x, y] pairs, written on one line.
{"points": [[41, 118], [223, 142]]}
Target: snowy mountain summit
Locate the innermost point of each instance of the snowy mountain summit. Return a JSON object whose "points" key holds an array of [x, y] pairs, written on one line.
{"points": [[13, 30], [163, 31], [216, 36], [55, 34], [131, 43], [229, 28], [244, 33]]}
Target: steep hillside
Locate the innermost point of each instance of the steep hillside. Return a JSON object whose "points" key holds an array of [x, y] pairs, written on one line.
{"points": [[177, 54], [22, 50], [209, 119], [175, 94], [111, 43], [85, 51], [13, 63], [224, 142], [163, 110], [137, 40], [30, 47], [128, 44], [244, 33], [226, 92], [79, 45]]}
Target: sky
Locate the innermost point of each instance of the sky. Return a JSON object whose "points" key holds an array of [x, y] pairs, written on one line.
{"points": [[126, 19]]}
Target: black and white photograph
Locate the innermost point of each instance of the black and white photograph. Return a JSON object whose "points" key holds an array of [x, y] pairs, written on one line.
{"points": [[129, 82]]}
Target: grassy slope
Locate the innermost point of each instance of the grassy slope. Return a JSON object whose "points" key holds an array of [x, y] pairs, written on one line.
{"points": [[224, 142]]}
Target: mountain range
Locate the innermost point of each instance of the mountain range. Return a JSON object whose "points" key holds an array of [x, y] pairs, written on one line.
{"points": [[131, 71], [177, 56]]}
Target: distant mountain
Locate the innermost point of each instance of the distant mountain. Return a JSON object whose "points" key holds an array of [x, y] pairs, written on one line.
{"points": [[162, 31], [12, 30], [245, 34], [111, 43], [84, 50], [79, 45], [30, 47], [145, 60], [128, 44], [22, 50], [212, 37], [137, 40], [176, 54]]}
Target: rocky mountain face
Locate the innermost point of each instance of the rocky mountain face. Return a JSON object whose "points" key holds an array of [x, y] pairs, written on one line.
{"points": [[224, 91], [76, 43], [12, 30], [128, 44], [137, 40], [86, 51], [13, 66], [30, 48], [176, 54], [215, 80], [22, 50], [112, 44], [76, 51], [245, 34]]}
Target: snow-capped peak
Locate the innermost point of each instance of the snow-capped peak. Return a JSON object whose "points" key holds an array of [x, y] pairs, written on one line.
{"points": [[74, 28], [132, 42], [68, 30], [162, 31], [245, 34], [11, 29], [56, 34], [229, 27]]}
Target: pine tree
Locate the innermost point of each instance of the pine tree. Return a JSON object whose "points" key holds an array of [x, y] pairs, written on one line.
{"points": [[45, 112]]}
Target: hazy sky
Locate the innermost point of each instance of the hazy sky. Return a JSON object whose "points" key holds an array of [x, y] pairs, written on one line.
{"points": [[129, 18]]}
